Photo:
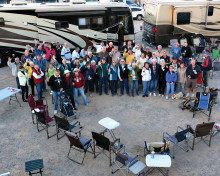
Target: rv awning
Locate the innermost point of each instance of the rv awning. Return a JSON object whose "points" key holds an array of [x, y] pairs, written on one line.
{"points": [[185, 6]]}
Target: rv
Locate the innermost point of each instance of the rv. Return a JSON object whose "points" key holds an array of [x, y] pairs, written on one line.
{"points": [[166, 19], [77, 24]]}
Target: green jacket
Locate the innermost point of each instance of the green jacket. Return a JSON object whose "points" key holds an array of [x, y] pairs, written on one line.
{"points": [[68, 67], [51, 72], [102, 70], [136, 70]]}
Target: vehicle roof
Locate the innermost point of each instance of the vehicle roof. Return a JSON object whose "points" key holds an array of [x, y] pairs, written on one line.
{"points": [[185, 2], [63, 6]]}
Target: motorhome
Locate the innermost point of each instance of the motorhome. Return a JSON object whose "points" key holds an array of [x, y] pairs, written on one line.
{"points": [[75, 23], [167, 19]]}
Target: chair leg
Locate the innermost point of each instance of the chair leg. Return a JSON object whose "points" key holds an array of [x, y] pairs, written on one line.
{"points": [[94, 148], [69, 152], [210, 111], [32, 117], [47, 132], [210, 140], [193, 143], [194, 113], [83, 157], [38, 127]]}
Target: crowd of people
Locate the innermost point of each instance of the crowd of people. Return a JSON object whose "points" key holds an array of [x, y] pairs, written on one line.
{"points": [[85, 71]]}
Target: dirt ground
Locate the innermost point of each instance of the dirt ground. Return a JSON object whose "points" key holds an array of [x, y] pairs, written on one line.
{"points": [[141, 119]]}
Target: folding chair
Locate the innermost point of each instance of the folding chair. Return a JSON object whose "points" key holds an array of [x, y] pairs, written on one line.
{"points": [[34, 166], [104, 144], [78, 143], [125, 162], [203, 104], [182, 41], [179, 140], [44, 121], [215, 54], [6, 174], [202, 131], [39, 104], [213, 43], [158, 147], [63, 125]]}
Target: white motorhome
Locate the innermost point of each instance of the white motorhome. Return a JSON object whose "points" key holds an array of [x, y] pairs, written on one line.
{"points": [[166, 19], [77, 24]]}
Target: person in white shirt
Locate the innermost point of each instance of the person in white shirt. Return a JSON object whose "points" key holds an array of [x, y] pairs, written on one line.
{"points": [[154, 57], [23, 80], [146, 77], [98, 47], [75, 54], [137, 51], [65, 53]]}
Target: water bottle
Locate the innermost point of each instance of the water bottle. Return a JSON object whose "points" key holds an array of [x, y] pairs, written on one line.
{"points": [[152, 154]]}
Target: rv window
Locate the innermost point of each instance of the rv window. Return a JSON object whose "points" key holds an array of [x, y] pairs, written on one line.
{"points": [[97, 23], [183, 18], [2, 22], [210, 10], [61, 24]]}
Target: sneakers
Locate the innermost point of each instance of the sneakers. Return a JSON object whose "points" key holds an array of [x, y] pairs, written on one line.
{"points": [[143, 96], [172, 97], [167, 97], [162, 95], [150, 94], [155, 94], [193, 95], [187, 95], [55, 111], [159, 95]]}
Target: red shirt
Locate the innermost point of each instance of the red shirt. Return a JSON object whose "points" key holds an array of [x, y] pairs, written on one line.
{"points": [[79, 80], [67, 80]]}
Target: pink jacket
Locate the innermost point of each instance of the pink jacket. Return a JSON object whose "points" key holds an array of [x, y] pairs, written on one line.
{"points": [[51, 52]]}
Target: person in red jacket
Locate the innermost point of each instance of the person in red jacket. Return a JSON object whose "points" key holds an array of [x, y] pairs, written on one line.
{"points": [[79, 83], [50, 52], [206, 66], [38, 80]]}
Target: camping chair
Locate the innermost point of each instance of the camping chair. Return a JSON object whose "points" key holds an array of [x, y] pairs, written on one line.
{"points": [[213, 43], [44, 121], [202, 131], [203, 104], [157, 147], [6, 174], [182, 41], [78, 143], [179, 139], [103, 143], [63, 125], [123, 161], [39, 104], [215, 54]]}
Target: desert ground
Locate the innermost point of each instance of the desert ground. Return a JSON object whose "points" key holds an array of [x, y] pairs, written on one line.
{"points": [[141, 119]]}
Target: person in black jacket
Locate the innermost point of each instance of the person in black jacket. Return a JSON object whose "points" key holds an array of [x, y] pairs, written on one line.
{"points": [[68, 87], [56, 84], [186, 53], [192, 73], [154, 77], [162, 77]]}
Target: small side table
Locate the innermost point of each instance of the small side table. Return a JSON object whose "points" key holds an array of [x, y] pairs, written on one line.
{"points": [[158, 162], [34, 165]]}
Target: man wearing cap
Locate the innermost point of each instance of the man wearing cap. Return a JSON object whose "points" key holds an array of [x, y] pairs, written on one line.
{"points": [[123, 77], [23, 80], [129, 56], [14, 66], [64, 66], [65, 53], [206, 66], [115, 55], [192, 73], [154, 57], [56, 84], [104, 54], [68, 86], [137, 51], [176, 51], [133, 77], [159, 51], [102, 71], [175, 64], [38, 80], [147, 51], [79, 83], [186, 53]]}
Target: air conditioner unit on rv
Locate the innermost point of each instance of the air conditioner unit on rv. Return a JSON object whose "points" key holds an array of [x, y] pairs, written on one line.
{"points": [[17, 2], [78, 1]]}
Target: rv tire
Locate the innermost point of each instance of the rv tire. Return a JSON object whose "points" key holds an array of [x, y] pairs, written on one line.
{"points": [[139, 17], [187, 37], [199, 36]]}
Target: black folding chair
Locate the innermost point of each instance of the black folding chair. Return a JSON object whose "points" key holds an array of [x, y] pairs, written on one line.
{"points": [[63, 125], [80, 144], [104, 144]]}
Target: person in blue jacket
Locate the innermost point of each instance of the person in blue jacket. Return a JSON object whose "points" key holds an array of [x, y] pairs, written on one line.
{"points": [[171, 79], [176, 51], [113, 71]]}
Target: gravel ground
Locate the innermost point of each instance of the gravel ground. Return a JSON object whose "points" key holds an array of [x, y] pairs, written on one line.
{"points": [[140, 119]]}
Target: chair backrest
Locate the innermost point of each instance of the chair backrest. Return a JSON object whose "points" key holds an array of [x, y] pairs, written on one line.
{"points": [[120, 157], [204, 100], [101, 140], [196, 41], [182, 41], [62, 123], [31, 101], [173, 41], [215, 53], [157, 147], [213, 40], [41, 116], [204, 129], [74, 140]]}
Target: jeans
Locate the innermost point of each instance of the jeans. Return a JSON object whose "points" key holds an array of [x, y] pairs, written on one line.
{"points": [[153, 85], [162, 86], [89, 86], [114, 86], [170, 87], [77, 98], [181, 87], [105, 81], [205, 78], [44, 84], [132, 84], [17, 81], [146, 85], [123, 83], [186, 61], [55, 99], [39, 90], [31, 83]]}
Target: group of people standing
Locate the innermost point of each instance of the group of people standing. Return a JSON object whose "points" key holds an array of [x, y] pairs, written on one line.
{"points": [[84, 71]]}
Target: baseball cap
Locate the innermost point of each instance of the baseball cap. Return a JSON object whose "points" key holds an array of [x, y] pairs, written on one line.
{"points": [[66, 71], [147, 47]]}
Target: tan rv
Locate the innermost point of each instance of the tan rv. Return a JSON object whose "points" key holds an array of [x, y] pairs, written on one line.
{"points": [[167, 19]]}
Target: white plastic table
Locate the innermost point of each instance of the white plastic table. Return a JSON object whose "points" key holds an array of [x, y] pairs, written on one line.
{"points": [[110, 125], [9, 92], [159, 162]]}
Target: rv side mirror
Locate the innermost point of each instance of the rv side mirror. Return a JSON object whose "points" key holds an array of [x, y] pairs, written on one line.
{"points": [[141, 27]]}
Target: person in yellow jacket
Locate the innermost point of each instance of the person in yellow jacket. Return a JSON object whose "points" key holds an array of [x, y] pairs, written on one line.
{"points": [[129, 56], [29, 66]]}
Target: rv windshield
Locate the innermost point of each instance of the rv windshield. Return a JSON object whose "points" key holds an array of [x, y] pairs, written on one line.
{"points": [[3, 1], [45, 1], [151, 13]]}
